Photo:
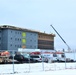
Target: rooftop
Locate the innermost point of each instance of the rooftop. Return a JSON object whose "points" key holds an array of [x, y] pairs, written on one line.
{"points": [[24, 29]]}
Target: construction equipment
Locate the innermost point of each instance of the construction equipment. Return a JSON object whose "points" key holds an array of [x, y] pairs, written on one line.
{"points": [[61, 38], [4, 57]]}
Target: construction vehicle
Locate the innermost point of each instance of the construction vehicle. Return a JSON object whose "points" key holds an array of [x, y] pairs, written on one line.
{"points": [[61, 38], [64, 56], [4, 57]]}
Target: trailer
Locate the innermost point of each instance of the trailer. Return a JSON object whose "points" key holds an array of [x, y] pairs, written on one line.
{"points": [[59, 56]]}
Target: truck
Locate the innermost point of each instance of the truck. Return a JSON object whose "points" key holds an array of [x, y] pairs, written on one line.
{"points": [[67, 57], [59, 56]]}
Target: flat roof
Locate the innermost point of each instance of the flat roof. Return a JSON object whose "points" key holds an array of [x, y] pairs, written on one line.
{"points": [[24, 29]]}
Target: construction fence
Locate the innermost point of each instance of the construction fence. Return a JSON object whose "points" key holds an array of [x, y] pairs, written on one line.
{"points": [[12, 68]]}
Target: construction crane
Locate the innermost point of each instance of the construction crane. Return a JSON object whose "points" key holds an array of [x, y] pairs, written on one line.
{"points": [[61, 38]]}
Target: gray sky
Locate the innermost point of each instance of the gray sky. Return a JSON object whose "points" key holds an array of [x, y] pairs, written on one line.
{"points": [[39, 14]]}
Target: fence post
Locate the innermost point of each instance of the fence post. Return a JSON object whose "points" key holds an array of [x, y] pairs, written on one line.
{"points": [[65, 59], [42, 61], [29, 63], [13, 62]]}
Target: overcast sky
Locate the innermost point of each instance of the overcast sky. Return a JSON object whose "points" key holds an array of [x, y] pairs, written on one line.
{"points": [[39, 14]]}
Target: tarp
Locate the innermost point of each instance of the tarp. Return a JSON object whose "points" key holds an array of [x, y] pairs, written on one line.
{"points": [[5, 53]]}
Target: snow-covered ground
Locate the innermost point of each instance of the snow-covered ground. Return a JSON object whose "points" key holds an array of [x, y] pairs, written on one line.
{"points": [[38, 69]]}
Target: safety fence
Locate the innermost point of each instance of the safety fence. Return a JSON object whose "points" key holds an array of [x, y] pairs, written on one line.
{"points": [[34, 67]]}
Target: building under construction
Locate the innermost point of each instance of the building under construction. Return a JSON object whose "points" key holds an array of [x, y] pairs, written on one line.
{"points": [[12, 38]]}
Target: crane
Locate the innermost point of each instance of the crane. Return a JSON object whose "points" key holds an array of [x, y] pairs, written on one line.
{"points": [[61, 38]]}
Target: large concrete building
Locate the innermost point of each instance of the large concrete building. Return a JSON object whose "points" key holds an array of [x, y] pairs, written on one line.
{"points": [[12, 38]]}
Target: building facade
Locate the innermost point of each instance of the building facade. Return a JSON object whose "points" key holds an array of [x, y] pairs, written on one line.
{"points": [[12, 38], [45, 41]]}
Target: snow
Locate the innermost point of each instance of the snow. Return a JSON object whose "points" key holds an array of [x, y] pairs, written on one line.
{"points": [[38, 69]]}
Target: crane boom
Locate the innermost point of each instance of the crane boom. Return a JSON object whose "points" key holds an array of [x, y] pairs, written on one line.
{"points": [[61, 37]]}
